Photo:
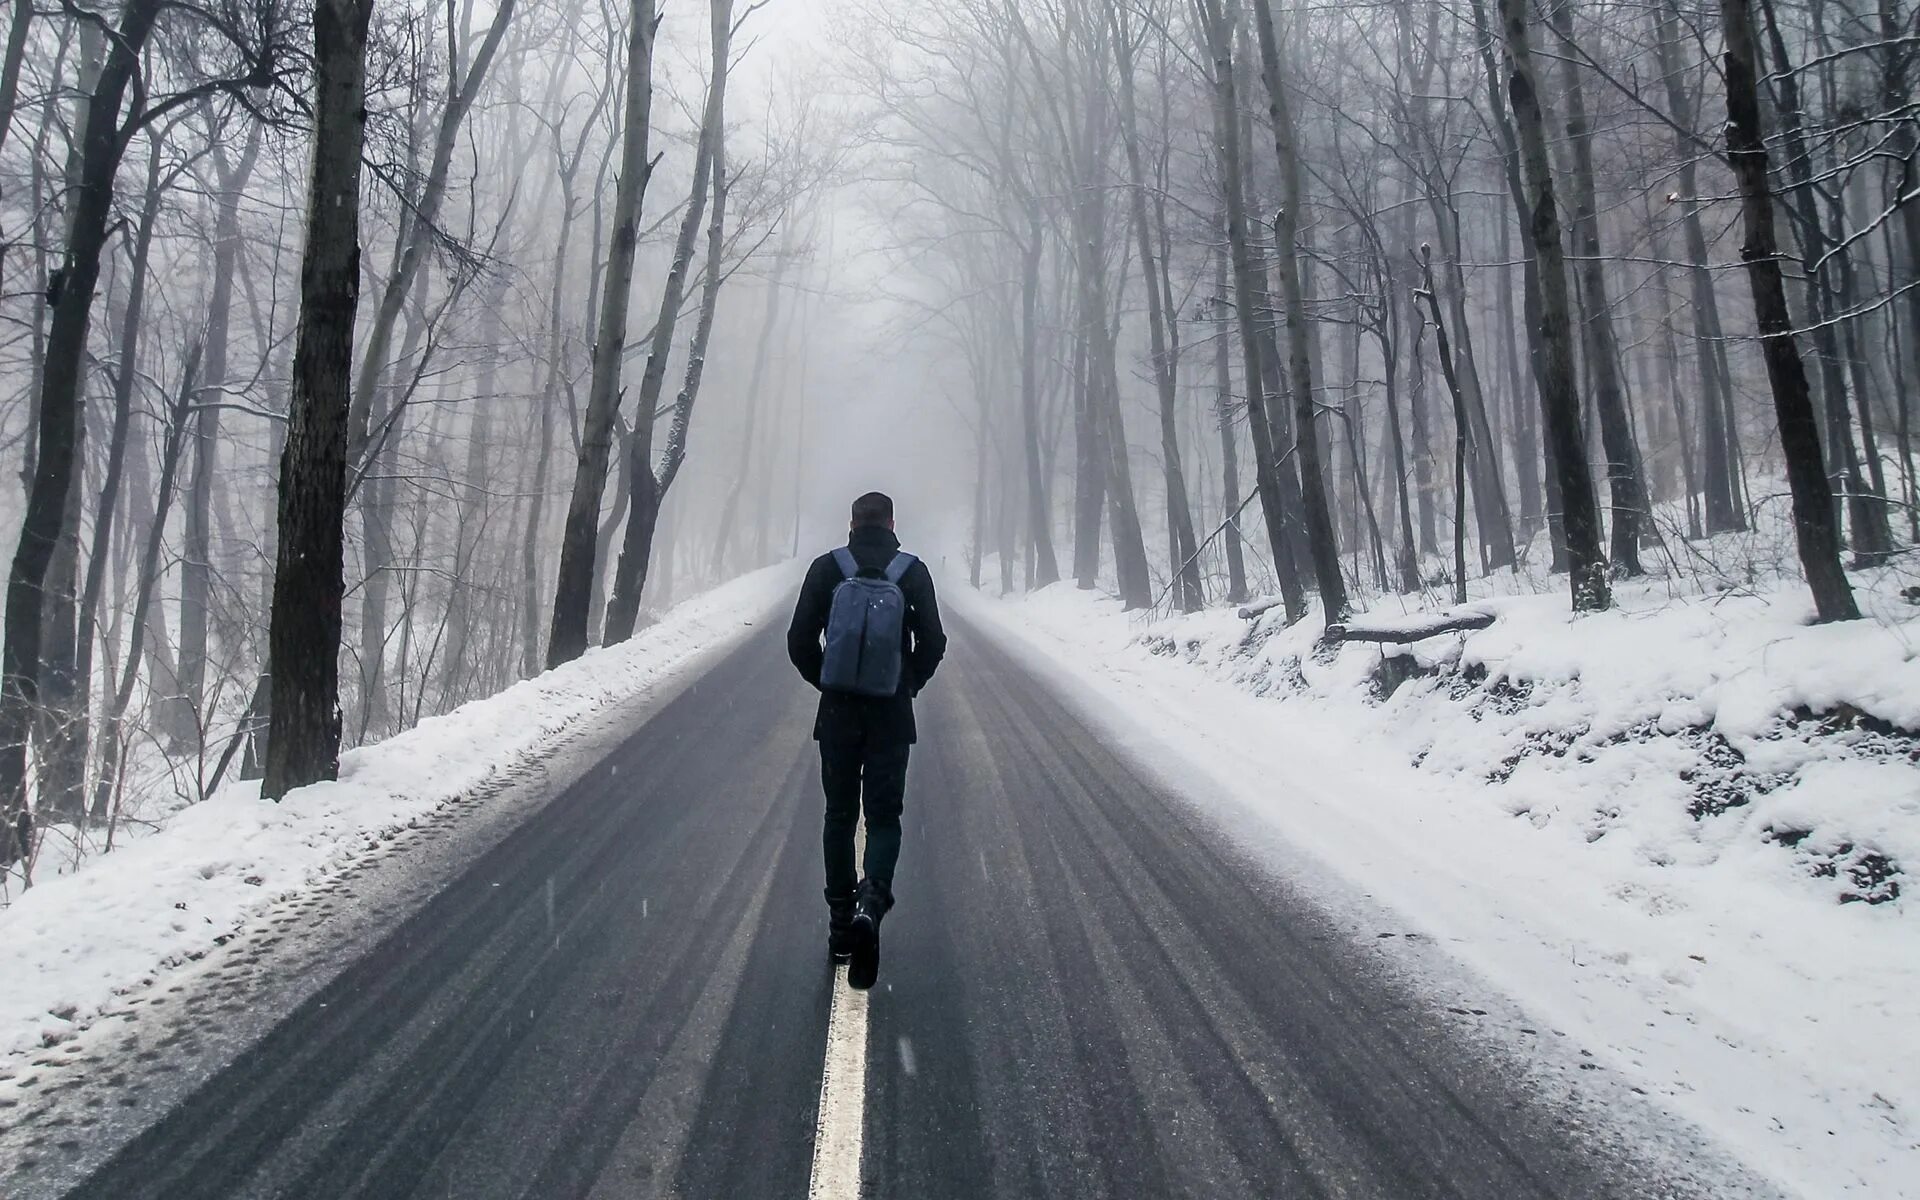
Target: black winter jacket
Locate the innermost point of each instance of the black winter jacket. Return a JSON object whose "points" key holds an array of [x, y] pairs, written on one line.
{"points": [[873, 719]]}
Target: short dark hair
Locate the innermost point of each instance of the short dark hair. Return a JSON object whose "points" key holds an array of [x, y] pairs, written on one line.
{"points": [[874, 508]]}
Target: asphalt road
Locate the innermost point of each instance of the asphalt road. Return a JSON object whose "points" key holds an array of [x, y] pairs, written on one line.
{"points": [[1084, 992]]}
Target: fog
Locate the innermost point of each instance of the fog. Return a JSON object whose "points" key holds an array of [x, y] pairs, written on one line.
{"points": [[1190, 301]]}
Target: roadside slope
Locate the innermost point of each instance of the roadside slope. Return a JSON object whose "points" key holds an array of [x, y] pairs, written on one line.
{"points": [[1729, 984]]}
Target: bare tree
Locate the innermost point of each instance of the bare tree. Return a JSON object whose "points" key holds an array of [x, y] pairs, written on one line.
{"points": [[303, 741], [1792, 398], [1320, 535], [573, 587], [1559, 394], [649, 489]]}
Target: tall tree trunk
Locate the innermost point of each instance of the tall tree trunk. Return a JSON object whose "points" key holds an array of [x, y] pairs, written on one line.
{"points": [[573, 587], [1626, 489], [1185, 563], [649, 490], [1895, 87], [1559, 392], [1493, 516], [61, 718], [1321, 543], [1721, 507], [1792, 398], [1867, 514], [104, 521], [1532, 302], [303, 742], [1219, 19], [100, 149]]}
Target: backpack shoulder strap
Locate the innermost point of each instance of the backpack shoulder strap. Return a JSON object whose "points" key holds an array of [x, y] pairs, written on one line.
{"points": [[843, 558], [898, 568]]}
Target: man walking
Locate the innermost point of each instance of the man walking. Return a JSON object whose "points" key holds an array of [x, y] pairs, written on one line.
{"points": [[867, 634]]}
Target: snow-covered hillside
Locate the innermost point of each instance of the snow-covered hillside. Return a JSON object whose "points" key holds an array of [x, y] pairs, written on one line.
{"points": [[1686, 832]]}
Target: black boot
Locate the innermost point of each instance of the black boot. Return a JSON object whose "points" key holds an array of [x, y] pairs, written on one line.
{"points": [[873, 900], [839, 926]]}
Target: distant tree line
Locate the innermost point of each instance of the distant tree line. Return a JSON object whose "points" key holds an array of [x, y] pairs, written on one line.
{"points": [[1370, 298]]}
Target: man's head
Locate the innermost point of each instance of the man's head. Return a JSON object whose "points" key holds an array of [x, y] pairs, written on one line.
{"points": [[875, 509]]}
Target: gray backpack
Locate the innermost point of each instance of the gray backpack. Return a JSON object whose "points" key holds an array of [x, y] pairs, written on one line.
{"points": [[866, 628]]}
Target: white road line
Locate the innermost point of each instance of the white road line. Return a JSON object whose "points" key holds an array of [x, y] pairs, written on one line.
{"points": [[843, 1088]]}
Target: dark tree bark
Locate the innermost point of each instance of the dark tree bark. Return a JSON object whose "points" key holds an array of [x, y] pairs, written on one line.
{"points": [[1866, 512], [1321, 543], [1219, 20], [1792, 398], [1895, 95], [1559, 392], [1532, 305], [1492, 513], [303, 742], [1719, 497], [1162, 334], [573, 587], [61, 715], [649, 489], [99, 152], [1626, 489], [547, 399]]}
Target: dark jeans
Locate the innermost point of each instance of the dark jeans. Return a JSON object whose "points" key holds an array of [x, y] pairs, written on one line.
{"points": [[847, 770]]}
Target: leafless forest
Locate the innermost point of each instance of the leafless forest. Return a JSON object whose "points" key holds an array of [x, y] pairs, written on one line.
{"points": [[457, 338]]}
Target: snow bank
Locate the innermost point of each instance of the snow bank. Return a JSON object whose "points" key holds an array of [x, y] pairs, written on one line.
{"points": [[1642, 825], [73, 941]]}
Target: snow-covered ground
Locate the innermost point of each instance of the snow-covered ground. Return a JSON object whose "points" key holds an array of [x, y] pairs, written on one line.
{"points": [[76, 940], [1618, 820]]}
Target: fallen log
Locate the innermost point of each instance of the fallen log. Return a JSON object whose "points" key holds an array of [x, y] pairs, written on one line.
{"points": [[1258, 608], [1401, 631]]}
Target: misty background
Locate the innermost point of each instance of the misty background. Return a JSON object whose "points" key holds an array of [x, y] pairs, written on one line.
{"points": [[1194, 301]]}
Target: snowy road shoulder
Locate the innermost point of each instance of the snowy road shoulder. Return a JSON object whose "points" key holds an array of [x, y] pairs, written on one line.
{"points": [[75, 943], [1736, 995]]}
